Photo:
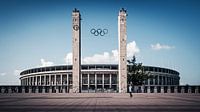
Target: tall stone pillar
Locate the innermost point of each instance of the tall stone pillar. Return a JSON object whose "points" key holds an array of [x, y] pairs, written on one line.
{"points": [[122, 51], [76, 47]]}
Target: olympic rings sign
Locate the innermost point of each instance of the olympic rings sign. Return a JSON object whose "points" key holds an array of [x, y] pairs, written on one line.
{"points": [[97, 32]]}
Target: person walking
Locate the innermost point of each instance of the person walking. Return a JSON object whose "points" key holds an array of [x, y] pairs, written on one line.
{"points": [[130, 90]]}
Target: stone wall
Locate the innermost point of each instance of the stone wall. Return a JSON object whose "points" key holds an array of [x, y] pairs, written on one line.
{"points": [[65, 89]]}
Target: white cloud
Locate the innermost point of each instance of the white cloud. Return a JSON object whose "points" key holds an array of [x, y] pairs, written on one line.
{"points": [[17, 72], [99, 58], [106, 57], [158, 46], [2, 74], [132, 49], [68, 58], [46, 63]]}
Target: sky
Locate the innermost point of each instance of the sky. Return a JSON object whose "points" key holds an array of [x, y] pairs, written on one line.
{"points": [[36, 33]]}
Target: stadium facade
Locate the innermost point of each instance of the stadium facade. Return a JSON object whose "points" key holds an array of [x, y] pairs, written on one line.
{"points": [[93, 77]]}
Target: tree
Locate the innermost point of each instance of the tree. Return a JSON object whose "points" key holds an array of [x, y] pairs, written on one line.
{"points": [[136, 73]]}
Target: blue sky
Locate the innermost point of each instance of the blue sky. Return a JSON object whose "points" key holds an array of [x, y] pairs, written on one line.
{"points": [[161, 33]]}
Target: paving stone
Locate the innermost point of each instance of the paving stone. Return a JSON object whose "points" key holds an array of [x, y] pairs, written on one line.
{"points": [[99, 102]]}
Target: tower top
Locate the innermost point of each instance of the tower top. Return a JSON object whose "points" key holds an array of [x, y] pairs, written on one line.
{"points": [[76, 10], [122, 10]]}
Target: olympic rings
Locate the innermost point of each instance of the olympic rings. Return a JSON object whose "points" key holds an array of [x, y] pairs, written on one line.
{"points": [[97, 32]]}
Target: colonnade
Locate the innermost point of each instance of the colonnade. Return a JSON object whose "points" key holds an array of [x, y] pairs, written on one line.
{"points": [[162, 80], [99, 82], [47, 80]]}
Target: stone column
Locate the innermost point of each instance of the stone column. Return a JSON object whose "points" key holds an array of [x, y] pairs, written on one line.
{"points": [[103, 82], [88, 82], [110, 85], [166, 81], [32, 82], [40, 80], [55, 80], [154, 80], [28, 81], [76, 50], [49, 79], [44, 80], [68, 81], [61, 79], [122, 37], [95, 78], [36, 81]]}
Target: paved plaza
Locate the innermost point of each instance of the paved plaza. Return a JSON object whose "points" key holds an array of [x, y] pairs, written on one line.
{"points": [[99, 102]]}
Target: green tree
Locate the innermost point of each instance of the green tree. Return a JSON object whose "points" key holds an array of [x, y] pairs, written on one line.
{"points": [[136, 73]]}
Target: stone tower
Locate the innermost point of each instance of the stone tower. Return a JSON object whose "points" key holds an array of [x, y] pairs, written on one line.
{"points": [[122, 51], [76, 50]]}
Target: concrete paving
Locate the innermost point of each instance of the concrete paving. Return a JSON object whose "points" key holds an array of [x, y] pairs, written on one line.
{"points": [[99, 102]]}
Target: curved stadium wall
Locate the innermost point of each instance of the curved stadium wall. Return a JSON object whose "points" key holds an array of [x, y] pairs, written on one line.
{"points": [[94, 77]]}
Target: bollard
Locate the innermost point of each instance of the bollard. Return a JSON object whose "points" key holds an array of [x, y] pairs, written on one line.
{"points": [[57, 90], [148, 89], [9, 90], [162, 89], [168, 89], [182, 89], [50, 89], [23, 89], [175, 89], [36, 90], [189, 89], [155, 89], [196, 89], [3, 90], [30, 90], [63, 90], [43, 89]]}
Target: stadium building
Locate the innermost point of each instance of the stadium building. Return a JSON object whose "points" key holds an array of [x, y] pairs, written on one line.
{"points": [[93, 77]]}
